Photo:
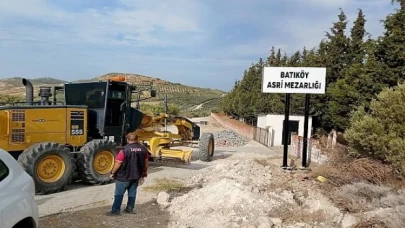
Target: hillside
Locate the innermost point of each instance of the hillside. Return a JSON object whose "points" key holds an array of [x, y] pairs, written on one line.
{"points": [[183, 96]]}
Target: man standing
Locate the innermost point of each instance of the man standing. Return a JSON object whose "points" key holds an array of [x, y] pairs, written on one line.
{"points": [[131, 164]]}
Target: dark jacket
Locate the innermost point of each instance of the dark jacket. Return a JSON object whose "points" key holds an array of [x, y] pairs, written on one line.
{"points": [[134, 163]]}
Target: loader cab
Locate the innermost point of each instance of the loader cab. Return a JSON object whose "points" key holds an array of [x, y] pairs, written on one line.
{"points": [[106, 101]]}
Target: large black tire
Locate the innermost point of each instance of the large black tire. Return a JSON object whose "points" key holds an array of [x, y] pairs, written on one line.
{"points": [[31, 157], [206, 147], [88, 153]]}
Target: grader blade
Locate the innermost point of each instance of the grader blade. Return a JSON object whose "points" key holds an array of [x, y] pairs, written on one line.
{"points": [[178, 154]]}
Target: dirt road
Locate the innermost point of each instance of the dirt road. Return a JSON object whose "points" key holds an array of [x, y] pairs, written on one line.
{"points": [[84, 206], [148, 215]]}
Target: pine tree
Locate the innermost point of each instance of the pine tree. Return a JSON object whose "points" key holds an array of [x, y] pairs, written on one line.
{"points": [[295, 59], [337, 48], [263, 104], [304, 55], [390, 52], [359, 86], [228, 102], [277, 60], [358, 32], [247, 101], [373, 71], [272, 58], [319, 58], [351, 89], [333, 53], [343, 99], [284, 60]]}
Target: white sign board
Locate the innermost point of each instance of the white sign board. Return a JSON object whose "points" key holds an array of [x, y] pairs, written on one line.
{"points": [[311, 80]]}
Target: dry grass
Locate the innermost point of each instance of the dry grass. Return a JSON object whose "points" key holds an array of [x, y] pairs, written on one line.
{"points": [[364, 187], [343, 169], [394, 199], [369, 192], [361, 185], [357, 170], [372, 223], [164, 184], [377, 206], [387, 218], [361, 197], [293, 214]]}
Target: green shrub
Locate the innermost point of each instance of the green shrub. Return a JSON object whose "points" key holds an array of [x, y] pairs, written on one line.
{"points": [[8, 99], [340, 138], [380, 132], [158, 108]]}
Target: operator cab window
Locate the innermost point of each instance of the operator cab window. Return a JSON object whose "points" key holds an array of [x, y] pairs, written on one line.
{"points": [[95, 98], [116, 96], [4, 171], [90, 94]]}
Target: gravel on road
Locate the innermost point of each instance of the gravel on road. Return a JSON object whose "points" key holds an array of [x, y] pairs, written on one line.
{"points": [[228, 138]]}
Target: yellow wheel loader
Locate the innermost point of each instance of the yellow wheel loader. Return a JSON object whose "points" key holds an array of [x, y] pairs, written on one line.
{"points": [[55, 141]]}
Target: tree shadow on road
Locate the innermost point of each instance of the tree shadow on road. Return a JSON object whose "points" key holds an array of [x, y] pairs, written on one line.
{"points": [[222, 154], [193, 165]]}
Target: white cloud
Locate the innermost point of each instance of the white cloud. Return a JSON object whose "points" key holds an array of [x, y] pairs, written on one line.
{"points": [[134, 24]]}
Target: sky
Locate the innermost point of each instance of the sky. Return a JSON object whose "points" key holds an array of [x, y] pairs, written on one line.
{"points": [[204, 43]]}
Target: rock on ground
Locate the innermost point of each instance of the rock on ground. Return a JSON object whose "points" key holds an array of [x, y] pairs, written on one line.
{"points": [[228, 138], [163, 197]]}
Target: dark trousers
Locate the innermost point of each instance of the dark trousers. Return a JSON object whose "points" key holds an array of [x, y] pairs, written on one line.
{"points": [[120, 188]]}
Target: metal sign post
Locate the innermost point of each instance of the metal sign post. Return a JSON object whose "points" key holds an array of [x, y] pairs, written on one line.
{"points": [[286, 129], [288, 80], [305, 139]]}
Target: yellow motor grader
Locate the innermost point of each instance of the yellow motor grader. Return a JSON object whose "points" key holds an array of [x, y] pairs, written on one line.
{"points": [[55, 141]]}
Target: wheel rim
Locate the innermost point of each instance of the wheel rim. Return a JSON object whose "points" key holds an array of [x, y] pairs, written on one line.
{"points": [[210, 148], [103, 162], [51, 168]]}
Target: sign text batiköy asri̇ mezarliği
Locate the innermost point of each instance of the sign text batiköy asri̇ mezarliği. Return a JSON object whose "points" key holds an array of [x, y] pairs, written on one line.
{"points": [[294, 80]]}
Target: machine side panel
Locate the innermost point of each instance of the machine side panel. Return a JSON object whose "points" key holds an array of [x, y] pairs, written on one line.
{"points": [[4, 131], [76, 133], [34, 125]]}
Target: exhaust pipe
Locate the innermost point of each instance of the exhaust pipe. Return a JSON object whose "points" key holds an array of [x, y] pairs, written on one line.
{"points": [[29, 91]]}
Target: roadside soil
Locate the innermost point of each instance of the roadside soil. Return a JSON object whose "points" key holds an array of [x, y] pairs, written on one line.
{"points": [[147, 215]]}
